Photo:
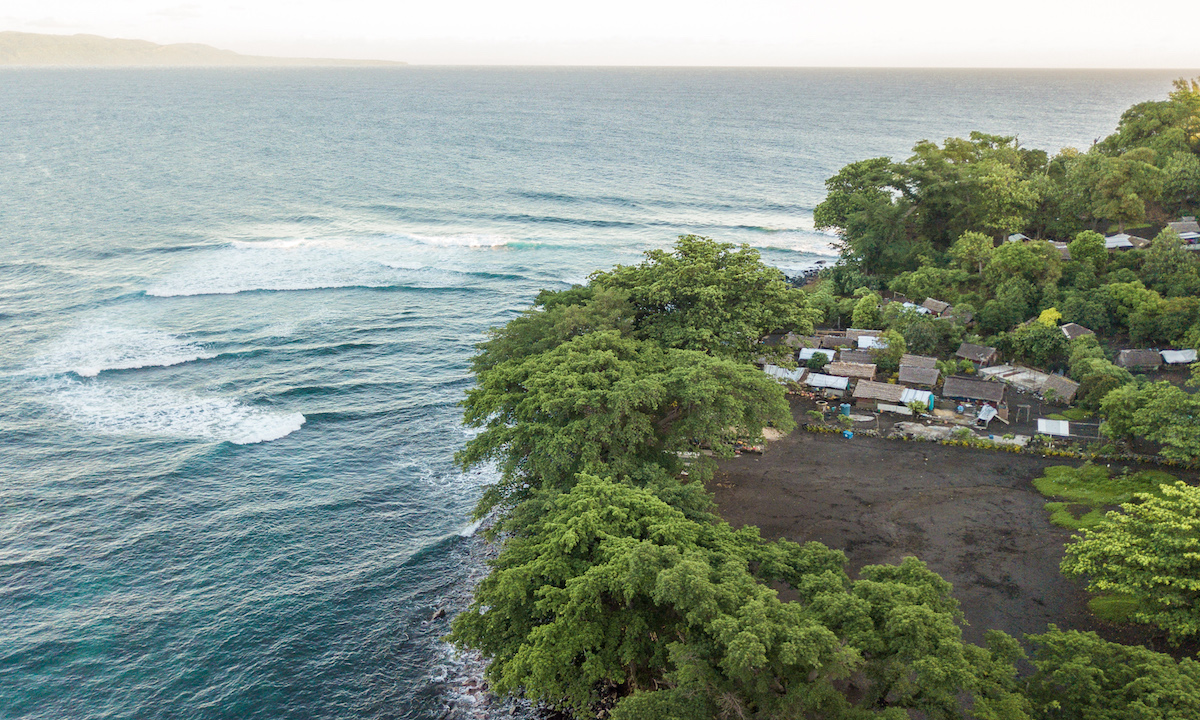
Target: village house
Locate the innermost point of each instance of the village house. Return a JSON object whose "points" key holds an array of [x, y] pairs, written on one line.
{"points": [[1074, 330], [978, 354], [913, 375], [936, 307], [1138, 360], [851, 370], [960, 388]]}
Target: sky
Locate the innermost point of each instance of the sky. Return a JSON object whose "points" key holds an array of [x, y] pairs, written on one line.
{"points": [[796, 33]]}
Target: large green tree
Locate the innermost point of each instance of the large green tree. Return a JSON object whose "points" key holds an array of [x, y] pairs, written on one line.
{"points": [[708, 296], [614, 405], [1149, 551]]}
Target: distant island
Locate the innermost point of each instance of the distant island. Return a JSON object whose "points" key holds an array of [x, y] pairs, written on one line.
{"points": [[34, 49]]}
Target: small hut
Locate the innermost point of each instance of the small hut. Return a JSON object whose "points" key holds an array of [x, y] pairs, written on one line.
{"points": [[1138, 360], [1075, 330], [978, 354], [1059, 389], [857, 356], [937, 307], [923, 361], [886, 392], [851, 370], [913, 375], [960, 388]]}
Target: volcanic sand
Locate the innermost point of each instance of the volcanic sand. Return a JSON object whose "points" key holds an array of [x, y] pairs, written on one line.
{"points": [[972, 515]]}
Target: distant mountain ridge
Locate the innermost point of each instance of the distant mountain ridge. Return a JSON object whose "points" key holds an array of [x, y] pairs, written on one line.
{"points": [[18, 48]]}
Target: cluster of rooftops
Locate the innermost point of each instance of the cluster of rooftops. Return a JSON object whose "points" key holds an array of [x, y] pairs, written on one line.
{"points": [[1187, 227], [851, 361]]}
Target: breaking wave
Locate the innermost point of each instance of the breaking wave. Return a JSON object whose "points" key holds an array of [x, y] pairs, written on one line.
{"points": [[138, 410], [91, 349]]}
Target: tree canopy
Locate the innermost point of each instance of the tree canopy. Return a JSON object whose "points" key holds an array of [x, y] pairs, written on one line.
{"points": [[1149, 551]]}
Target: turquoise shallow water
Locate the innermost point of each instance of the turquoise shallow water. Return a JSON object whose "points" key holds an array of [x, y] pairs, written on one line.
{"points": [[236, 313]]}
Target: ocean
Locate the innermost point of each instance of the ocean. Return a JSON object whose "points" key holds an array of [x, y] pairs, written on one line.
{"points": [[237, 309]]}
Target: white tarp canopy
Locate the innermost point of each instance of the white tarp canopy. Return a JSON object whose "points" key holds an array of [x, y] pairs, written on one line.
{"points": [[807, 353], [870, 342], [783, 374], [832, 382], [921, 396], [987, 413], [1178, 357], [1061, 428]]}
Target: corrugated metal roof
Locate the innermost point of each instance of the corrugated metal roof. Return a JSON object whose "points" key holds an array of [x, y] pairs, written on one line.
{"points": [[827, 381], [775, 371], [1061, 428], [807, 353], [921, 396]]}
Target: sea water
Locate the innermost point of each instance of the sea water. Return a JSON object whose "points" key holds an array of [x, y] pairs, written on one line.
{"points": [[237, 309]]}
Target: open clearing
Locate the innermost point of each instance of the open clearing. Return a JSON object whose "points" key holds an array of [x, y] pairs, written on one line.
{"points": [[972, 515]]}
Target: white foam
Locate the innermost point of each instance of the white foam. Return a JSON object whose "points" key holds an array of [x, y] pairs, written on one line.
{"points": [[91, 349], [300, 264], [139, 410], [473, 240], [471, 529]]}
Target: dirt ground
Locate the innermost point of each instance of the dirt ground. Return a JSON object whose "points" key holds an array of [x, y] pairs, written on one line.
{"points": [[972, 515]]}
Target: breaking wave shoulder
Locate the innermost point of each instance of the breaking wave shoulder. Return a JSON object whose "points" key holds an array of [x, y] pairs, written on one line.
{"points": [[91, 349], [110, 409]]}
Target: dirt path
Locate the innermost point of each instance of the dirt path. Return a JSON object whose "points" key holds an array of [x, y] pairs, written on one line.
{"points": [[972, 515]]}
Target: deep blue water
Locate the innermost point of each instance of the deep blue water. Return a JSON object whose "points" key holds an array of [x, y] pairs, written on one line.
{"points": [[236, 313]]}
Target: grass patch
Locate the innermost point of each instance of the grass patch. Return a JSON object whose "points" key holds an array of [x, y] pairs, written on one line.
{"points": [[1057, 416], [1076, 415], [1113, 608], [1063, 515], [1093, 485]]}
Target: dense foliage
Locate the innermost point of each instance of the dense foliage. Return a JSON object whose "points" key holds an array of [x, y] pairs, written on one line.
{"points": [[937, 226], [616, 589], [1081, 677], [1150, 551]]}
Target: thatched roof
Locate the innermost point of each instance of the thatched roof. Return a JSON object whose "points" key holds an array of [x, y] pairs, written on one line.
{"points": [[1064, 389], [935, 306], [854, 370], [836, 341], [977, 353], [886, 392], [1075, 330], [914, 375], [1138, 359], [1185, 225], [961, 388], [922, 361], [862, 357]]}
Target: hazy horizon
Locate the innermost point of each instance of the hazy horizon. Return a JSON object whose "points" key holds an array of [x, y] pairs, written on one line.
{"points": [[1025, 34]]}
